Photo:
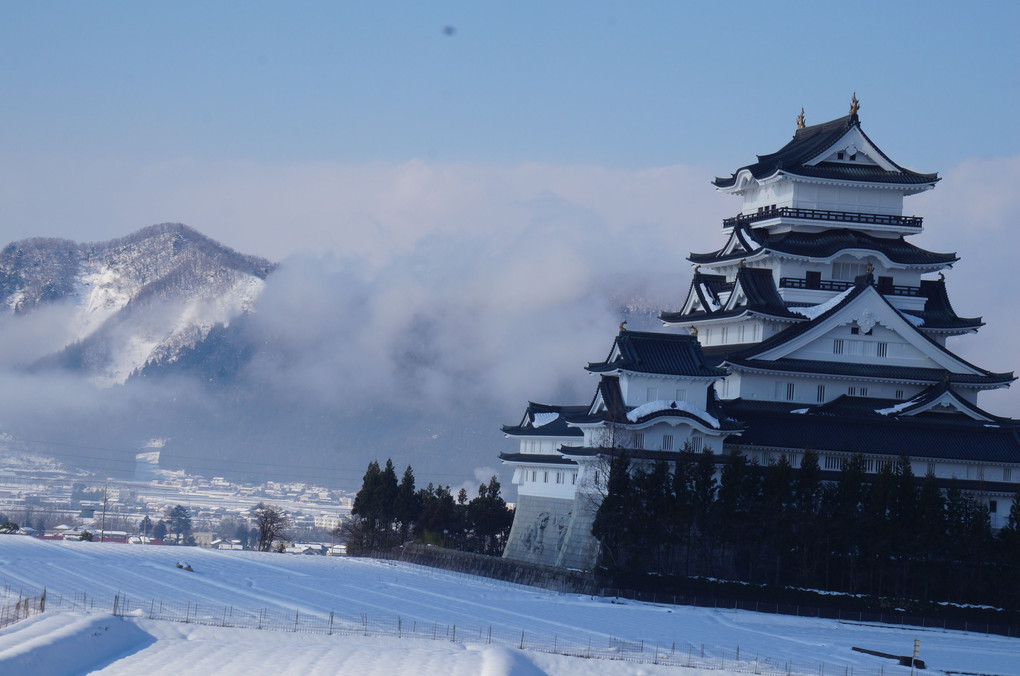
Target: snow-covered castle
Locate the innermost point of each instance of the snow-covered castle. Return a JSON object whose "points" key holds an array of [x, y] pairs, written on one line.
{"points": [[817, 325]]}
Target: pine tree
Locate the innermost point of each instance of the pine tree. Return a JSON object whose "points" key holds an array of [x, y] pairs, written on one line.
{"points": [[407, 506], [611, 519]]}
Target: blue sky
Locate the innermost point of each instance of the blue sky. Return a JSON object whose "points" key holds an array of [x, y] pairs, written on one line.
{"points": [[616, 84], [501, 166]]}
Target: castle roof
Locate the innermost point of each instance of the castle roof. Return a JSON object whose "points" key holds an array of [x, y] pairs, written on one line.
{"points": [[824, 244], [753, 290], [547, 420], [936, 436], [659, 353], [801, 157]]}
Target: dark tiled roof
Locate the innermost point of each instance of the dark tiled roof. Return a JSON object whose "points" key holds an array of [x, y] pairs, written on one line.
{"points": [[556, 428], [724, 423], [546, 459], [661, 353], [829, 243], [883, 371], [809, 143], [936, 436], [916, 406], [759, 288], [938, 312]]}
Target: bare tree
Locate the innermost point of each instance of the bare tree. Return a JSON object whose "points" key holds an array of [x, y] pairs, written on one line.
{"points": [[271, 522]]}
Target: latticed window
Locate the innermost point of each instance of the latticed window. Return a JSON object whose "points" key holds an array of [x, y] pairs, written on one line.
{"points": [[667, 442], [837, 346]]}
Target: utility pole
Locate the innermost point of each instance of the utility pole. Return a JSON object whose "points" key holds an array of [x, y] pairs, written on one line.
{"points": [[102, 532]]}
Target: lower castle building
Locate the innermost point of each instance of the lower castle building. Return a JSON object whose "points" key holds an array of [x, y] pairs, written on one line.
{"points": [[817, 325]]}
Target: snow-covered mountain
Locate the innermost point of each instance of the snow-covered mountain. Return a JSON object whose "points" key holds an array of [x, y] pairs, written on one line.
{"points": [[138, 300]]}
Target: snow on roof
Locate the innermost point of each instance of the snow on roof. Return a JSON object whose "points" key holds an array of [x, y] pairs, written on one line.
{"points": [[895, 409], [710, 296], [671, 404], [813, 311], [544, 419]]}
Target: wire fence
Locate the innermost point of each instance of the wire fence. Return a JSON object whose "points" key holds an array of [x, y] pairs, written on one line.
{"points": [[672, 653], [22, 609]]}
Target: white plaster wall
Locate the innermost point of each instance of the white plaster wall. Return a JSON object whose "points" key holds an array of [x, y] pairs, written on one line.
{"points": [[887, 201], [863, 349], [541, 481], [635, 389], [779, 194]]}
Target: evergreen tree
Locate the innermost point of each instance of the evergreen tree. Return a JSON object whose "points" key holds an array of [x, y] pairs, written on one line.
{"points": [[179, 523], [385, 499], [489, 518], [366, 508], [407, 506], [680, 529], [806, 519], [774, 516], [611, 519]]}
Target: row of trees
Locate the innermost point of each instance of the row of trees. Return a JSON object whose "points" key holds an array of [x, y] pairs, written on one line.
{"points": [[887, 533], [387, 513]]}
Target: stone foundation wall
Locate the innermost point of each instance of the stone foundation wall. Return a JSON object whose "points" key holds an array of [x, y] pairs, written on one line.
{"points": [[553, 532]]}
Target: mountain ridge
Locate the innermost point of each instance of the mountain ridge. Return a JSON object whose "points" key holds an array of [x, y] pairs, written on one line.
{"points": [[137, 299]]}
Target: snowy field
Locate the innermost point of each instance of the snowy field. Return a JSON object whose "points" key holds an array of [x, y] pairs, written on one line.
{"points": [[477, 623]]}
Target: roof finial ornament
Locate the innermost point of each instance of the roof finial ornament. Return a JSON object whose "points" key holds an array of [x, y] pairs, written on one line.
{"points": [[800, 119], [742, 261], [870, 268], [855, 105], [694, 331], [622, 324], [942, 276], [697, 269]]}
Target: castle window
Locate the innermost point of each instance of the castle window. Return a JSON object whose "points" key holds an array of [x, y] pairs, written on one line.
{"points": [[1006, 473], [697, 443], [854, 330], [785, 391], [534, 474], [981, 473], [837, 346], [993, 506], [864, 391], [821, 393], [899, 394], [725, 332], [559, 477], [852, 391], [848, 272], [545, 477], [573, 478], [833, 463], [667, 442], [681, 395], [839, 155], [882, 349], [931, 468], [653, 394]]}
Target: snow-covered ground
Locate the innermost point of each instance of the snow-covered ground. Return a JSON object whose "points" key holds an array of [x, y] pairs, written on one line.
{"points": [[477, 622]]}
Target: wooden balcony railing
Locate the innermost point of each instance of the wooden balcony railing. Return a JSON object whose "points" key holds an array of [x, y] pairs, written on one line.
{"points": [[824, 215]]}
